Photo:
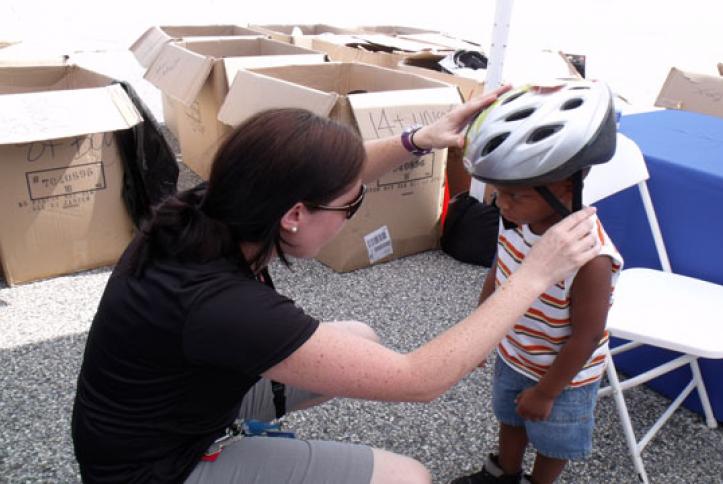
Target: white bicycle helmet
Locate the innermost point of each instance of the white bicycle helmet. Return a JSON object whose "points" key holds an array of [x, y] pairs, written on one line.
{"points": [[536, 135]]}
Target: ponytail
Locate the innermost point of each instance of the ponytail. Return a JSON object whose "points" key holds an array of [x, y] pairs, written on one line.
{"points": [[179, 229]]}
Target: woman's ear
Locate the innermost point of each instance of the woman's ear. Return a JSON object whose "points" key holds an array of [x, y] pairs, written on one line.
{"points": [[293, 218]]}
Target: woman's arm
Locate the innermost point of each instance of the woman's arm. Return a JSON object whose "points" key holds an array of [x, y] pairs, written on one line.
{"points": [[334, 362], [383, 155]]}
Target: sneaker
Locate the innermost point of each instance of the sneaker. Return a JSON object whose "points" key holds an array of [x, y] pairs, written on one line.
{"points": [[491, 473]]}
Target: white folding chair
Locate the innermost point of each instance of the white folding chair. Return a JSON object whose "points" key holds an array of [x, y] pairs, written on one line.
{"points": [[656, 307]]}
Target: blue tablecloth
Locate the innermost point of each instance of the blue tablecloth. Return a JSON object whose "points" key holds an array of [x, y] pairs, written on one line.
{"points": [[684, 154]]}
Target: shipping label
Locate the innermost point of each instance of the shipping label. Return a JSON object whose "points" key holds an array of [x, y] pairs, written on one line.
{"points": [[379, 244]]}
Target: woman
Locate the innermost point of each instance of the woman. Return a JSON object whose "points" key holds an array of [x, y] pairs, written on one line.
{"points": [[190, 332]]}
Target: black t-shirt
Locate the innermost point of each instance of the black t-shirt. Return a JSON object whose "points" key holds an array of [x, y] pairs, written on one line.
{"points": [[168, 360]]}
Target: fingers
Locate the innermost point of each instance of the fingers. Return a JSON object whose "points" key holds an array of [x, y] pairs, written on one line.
{"points": [[478, 103], [578, 220], [589, 249]]}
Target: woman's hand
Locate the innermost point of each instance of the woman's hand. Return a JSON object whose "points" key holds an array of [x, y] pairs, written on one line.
{"points": [[448, 130], [565, 247]]}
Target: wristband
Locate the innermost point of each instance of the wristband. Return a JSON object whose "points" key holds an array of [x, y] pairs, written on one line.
{"points": [[408, 142]]}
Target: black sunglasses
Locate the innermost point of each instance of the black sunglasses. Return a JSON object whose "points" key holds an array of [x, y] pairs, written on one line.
{"points": [[350, 208]]}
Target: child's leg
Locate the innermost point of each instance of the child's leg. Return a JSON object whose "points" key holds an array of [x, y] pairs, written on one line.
{"points": [[512, 444], [546, 469]]}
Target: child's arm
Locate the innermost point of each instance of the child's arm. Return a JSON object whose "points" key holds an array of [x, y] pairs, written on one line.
{"points": [[488, 287], [589, 303]]}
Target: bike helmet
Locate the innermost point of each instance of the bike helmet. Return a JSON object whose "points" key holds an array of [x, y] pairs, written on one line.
{"points": [[536, 135]]}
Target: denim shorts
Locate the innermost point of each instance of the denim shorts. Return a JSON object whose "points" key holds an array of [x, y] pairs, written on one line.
{"points": [[567, 433]]}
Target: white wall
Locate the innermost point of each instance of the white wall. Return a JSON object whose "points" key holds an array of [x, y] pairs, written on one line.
{"points": [[629, 43]]}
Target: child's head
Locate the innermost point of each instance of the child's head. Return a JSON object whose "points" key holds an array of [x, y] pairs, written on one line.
{"points": [[541, 140]]}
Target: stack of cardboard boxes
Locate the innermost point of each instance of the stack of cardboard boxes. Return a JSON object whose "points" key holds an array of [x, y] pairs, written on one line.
{"points": [[212, 85], [61, 190]]}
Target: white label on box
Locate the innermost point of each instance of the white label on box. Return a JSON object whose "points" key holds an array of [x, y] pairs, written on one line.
{"points": [[379, 244]]}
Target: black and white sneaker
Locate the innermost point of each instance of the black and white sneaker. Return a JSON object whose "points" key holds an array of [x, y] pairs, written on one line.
{"points": [[491, 473]]}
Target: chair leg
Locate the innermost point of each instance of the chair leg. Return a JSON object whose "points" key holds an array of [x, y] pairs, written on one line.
{"points": [[703, 394], [624, 417]]}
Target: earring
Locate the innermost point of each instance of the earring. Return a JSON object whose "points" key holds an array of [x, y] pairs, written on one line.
{"points": [[294, 229]]}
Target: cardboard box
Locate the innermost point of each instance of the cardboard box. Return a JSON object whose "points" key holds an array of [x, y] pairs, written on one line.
{"points": [[458, 179], [429, 67], [699, 93], [147, 47], [394, 30], [196, 76], [289, 33], [376, 49], [443, 41], [61, 173], [401, 213]]}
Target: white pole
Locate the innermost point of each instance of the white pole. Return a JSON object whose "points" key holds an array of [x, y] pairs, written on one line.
{"points": [[496, 59]]}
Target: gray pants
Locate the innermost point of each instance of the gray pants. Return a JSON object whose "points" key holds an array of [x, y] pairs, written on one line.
{"points": [[266, 460]]}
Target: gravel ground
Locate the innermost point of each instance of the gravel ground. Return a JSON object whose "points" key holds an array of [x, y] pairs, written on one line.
{"points": [[43, 327]]}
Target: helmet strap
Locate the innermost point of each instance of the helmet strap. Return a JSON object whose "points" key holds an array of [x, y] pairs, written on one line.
{"points": [[577, 191], [555, 202]]}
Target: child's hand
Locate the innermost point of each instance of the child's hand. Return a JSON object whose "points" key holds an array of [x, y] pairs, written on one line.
{"points": [[533, 404]]}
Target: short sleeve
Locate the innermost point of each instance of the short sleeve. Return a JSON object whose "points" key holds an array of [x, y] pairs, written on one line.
{"points": [[247, 327]]}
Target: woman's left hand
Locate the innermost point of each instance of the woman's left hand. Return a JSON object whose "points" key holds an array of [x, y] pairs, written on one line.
{"points": [[447, 131]]}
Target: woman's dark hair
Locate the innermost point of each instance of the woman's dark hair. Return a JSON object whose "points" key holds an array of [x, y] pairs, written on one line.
{"points": [[267, 164]]}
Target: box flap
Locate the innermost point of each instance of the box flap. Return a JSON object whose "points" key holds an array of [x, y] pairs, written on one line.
{"points": [[252, 92], [400, 44], [148, 45], [61, 114], [235, 64], [179, 72], [373, 78], [186, 31], [395, 29], [692, 92], [444, 41]]}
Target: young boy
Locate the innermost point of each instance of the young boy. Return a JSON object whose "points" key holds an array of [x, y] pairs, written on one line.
{"points": [[549, 364]]}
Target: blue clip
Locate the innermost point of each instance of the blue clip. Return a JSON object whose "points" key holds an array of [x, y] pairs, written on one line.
{"points": [[253, 428]]}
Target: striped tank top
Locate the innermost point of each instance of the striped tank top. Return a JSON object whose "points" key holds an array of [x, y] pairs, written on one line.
{"points": [[532, 344]]}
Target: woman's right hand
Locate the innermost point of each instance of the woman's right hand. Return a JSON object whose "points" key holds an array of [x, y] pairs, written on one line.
{"points": [[564, 248]]}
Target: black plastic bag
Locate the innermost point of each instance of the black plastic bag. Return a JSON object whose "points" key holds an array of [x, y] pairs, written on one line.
{"points": [[149, 163], [470, 230]]}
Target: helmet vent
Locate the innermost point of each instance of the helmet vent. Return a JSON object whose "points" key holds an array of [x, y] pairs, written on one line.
{"points": [[572, 104], [512, 97], [522, 114], [494, 143], [577, 88], [544, 132]]}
